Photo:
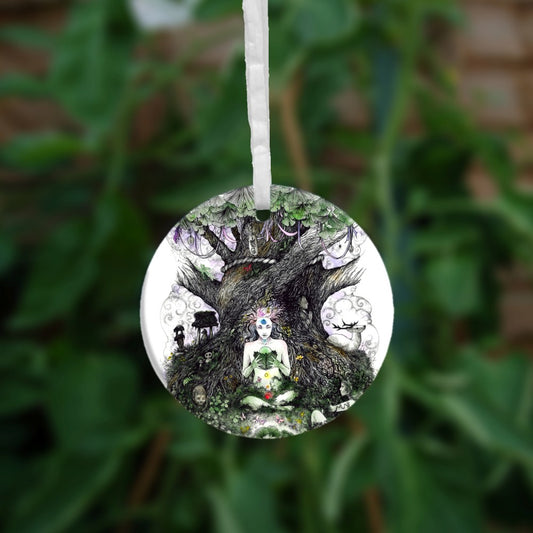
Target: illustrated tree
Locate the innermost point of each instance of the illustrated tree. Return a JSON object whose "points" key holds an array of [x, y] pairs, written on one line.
{"points": [[274, 263]]}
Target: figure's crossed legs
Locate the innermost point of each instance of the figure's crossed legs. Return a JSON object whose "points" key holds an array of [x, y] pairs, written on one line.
{"points": [[280, 402]]}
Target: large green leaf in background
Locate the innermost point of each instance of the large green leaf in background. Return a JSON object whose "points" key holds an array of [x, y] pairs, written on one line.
{"points": [[25, 368], [40, 152], [93, 61], [90, 400], [62, 271], [477, 409], [61, 490], [110, 242], [315, 22], [454, 283], [106, 386]]}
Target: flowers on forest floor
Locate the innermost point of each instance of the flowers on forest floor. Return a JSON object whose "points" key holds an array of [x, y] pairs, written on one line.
{"points": [[268, 396], [259, 420]]}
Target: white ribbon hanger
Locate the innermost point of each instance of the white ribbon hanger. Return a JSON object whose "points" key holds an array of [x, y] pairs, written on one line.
{"points": [[256, 56]]}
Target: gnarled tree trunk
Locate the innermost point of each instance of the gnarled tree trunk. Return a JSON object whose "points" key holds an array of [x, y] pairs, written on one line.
{"points": [[280, 272]]}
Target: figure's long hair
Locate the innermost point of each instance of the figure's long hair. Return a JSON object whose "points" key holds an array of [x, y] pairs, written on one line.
{"points": [[271, 313]]}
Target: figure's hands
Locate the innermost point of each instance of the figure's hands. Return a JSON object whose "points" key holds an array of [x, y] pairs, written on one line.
{"points": [[276, 363], [247, 370], [284, 368]]}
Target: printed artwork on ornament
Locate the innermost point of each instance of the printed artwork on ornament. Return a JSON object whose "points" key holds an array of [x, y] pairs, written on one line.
{"points": [[267, 328]]}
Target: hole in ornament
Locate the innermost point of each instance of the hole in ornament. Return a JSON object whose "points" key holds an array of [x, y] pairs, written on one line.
{"points": [[262, 214]]}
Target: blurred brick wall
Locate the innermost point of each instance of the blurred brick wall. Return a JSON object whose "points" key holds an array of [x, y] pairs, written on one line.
{"points": [[495, 75], [495, 62], [21, 115], [493, 56]]}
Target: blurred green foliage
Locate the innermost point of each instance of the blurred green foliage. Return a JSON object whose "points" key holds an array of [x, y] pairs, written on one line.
{"points": [[92, 442]]}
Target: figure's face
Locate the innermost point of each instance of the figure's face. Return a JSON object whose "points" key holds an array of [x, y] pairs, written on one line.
{"points": [[345, 389], [264, 327], [198, 395]]}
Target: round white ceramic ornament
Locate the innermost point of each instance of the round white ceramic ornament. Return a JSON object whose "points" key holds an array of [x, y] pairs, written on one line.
{"points": [[266, 328]]}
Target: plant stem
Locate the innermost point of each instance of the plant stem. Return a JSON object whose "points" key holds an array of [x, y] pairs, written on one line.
{"points": [[388, 139], [148, 473], [293, 132]]}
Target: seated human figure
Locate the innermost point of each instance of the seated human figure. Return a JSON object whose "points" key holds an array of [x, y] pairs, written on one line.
{"points": [[267, 359]]}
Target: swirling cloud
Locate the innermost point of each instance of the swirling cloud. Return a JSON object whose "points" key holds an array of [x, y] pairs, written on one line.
{"points": [[347, 307], [179, 308]]}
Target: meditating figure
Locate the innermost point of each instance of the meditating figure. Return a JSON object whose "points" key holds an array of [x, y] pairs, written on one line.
{"points": [[266, 360]]}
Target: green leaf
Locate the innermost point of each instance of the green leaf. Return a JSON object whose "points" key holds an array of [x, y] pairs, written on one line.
{"points": [[516, 211], [28, 36], [122, 255], [225, 519], [23, 86], [62, 271], [439, 240], [316, 22], [8, 253], [506, 383], [90, 401], [488, 428], [201, 189], [247, 496], [338, 476], [483, 423], [405, 482], [417, 490], [91, 68], [443, 116], [497, 159], [454, 283], [191, 437], [40, 151], [282, 65], [223, 131], [211, 10], [24, 369], [65, 487]]}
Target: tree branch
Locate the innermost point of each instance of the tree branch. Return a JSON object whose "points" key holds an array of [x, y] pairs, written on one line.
{"points": [[193, 280], [301, 255], [218, 244], [336, 279], [321, 283], [297, 258], [236, 234]]}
